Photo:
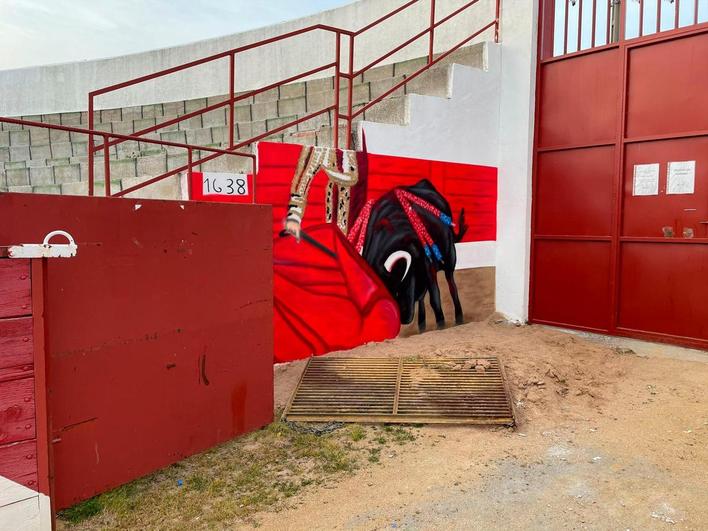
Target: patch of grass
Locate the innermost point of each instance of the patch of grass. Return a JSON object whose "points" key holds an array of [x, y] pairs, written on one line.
{"points": [[82, 511], [231, 483], [402, 435], [357, 432]]}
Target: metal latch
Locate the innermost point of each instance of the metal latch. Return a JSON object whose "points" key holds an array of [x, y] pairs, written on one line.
{"points": [[45, 249]]}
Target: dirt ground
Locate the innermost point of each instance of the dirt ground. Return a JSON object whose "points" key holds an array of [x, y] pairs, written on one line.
{"points": [[607, 438]]}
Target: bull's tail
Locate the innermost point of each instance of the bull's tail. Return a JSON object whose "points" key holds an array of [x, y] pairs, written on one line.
{"points": [[461, 226]]}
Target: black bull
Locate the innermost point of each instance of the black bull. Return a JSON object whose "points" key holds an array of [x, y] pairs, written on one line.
{"points": [[394, 251]]}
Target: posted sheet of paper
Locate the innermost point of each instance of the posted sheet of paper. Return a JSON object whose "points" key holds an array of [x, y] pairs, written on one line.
{"points": [[681, 178], [646, 179]]}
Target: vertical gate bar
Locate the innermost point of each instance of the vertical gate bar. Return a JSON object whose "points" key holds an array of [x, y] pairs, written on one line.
{"points": [[106, 166], [616, 249], [594, 22], [496, 21], [348, 142], [609, 11], [641, 17], [695, 12], [658, 16], [580, 24], [397, 392], [337, 76], [565, 29], [547, 32], [232, 95], [432, 31], [90, 146], [678, 11]]}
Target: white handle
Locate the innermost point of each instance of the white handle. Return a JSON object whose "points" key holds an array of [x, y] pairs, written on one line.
{"points": [[46, 249]]}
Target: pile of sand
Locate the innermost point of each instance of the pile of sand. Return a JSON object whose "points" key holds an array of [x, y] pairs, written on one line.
{"points": [[550, 373]]}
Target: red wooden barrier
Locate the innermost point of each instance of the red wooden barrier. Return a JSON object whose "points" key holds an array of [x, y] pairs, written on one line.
{"points": [[158, 333]]}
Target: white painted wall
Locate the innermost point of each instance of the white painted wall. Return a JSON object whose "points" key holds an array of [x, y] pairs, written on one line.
{"points": [[64, 87], [23, 509], [463, 128], [518, 86]]}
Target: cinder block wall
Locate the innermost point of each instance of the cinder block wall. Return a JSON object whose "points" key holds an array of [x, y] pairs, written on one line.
{"points": [[56, 162]]}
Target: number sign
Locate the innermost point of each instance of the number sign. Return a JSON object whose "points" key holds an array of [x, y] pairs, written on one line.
{"points": [[221, 187]]}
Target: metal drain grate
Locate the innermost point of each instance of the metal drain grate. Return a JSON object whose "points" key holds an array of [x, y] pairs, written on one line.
{"points": [[402, 390]]}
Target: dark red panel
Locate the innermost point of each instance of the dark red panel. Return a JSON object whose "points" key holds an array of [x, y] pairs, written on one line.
{"points": [[15, 293], [579, 100], [159, 332], [15, 342], [663, 288], [575, 192], [572, 283], [667, 87], [18, 462], [17, 410], [647, 215]]}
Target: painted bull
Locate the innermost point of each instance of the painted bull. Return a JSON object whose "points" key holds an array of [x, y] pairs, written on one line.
{"points": [[407, 236]]}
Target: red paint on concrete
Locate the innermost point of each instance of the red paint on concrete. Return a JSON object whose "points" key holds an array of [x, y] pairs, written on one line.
{"points": [[323, 303], [467, 186], [158, 333]]}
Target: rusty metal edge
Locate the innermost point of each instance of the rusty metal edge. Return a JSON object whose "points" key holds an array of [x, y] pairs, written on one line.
{"points": [[297, 388], [402, 419], [507, 392]]}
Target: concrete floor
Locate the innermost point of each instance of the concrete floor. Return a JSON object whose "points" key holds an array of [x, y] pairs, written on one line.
{"points": [[647, 349]]}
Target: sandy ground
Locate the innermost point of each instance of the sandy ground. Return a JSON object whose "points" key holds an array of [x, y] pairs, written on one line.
{"points": [[607, 438]]}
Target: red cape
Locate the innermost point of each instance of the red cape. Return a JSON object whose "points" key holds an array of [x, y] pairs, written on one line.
{"points": [[322, 303]]}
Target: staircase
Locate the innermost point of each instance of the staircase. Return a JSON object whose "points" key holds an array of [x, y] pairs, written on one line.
{"points": [[48, 161]]}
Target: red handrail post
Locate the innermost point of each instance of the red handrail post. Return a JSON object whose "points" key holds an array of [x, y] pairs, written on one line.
{"points": [[432, 31], [90, 146], [254, 169], [189, 172], [337, 77], [232, 95], [106, 166], [496, 21], [350, 96]]}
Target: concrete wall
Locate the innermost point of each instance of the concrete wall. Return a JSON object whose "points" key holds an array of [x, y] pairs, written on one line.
{"points": [[516, 122], [64, 87], [463, 128]]}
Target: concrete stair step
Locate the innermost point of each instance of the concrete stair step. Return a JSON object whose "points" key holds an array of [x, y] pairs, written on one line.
{"points": [[45, 161]]}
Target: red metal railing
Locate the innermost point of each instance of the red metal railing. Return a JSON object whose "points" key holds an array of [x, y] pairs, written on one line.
{"points": [[350, 74], [583, 21], [122, 138]]}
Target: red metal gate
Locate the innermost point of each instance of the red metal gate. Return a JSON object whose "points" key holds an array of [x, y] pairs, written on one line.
{"points": [[620, 217]]}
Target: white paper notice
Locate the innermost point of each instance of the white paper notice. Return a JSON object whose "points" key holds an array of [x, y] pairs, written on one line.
{"points": [[646, 179], [681, 177]]}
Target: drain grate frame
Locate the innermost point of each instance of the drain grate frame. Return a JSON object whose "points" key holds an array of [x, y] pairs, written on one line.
{"points": [[416, 390]]}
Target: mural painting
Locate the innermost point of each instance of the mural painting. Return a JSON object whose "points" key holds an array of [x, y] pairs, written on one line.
{"points": [[359, 240]]}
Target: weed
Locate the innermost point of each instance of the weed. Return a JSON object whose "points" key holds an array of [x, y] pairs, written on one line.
{"points": [[357, 432], [229, 484]]}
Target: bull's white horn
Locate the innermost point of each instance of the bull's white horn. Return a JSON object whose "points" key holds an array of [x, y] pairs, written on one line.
{"points": [[395, 257]]}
